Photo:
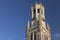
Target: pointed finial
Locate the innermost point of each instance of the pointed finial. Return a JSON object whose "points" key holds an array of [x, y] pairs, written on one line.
{"points": [[28, 24]]}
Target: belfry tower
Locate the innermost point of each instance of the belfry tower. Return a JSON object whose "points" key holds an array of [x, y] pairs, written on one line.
{"points": [[37, 28]]}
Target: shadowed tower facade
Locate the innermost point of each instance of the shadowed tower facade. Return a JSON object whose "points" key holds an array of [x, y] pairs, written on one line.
{"points": [[37, 28]]}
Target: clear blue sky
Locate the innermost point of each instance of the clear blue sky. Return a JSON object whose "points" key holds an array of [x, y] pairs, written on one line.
{"points": [[14, 15]]}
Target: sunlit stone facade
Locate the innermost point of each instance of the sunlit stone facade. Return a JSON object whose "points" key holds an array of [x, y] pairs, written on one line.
{"points": [[37, 28]]}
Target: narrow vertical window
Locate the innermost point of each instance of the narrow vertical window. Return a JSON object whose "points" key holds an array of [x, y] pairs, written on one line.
{"points": [[31, 36], [34, 12], [38, 10], [35, 35]]}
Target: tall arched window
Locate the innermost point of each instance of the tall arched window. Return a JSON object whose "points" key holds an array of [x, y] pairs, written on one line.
{"points": [[38, 10]]}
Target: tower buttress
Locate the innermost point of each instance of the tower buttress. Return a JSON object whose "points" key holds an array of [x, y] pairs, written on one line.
{"points": [[27, 31]]}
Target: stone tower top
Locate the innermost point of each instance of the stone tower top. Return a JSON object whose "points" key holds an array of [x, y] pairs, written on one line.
{"points": [[37, 10], [38, 28]]}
